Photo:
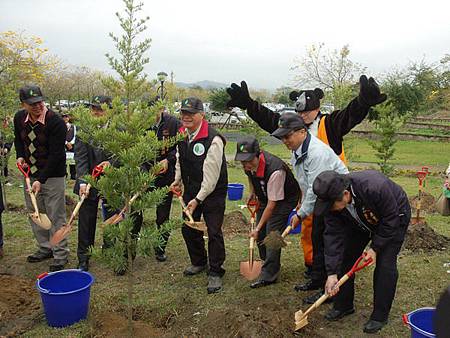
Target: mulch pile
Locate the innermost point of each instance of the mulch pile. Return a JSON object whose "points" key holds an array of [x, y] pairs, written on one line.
{"points": [[235, 223], [427, 203], [421, 236], [20, 305]]}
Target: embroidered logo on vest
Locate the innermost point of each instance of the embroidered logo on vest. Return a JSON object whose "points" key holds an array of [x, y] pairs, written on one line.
{"points": [[199, 149]]}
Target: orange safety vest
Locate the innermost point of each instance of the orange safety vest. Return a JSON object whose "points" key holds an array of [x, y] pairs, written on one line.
{"points": [[322, 135]]}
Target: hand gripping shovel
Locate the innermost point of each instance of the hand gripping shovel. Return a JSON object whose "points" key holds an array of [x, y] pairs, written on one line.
{"points": [[301, 319], [251, 269], [201, 226], [39, 218], [64, 231]]}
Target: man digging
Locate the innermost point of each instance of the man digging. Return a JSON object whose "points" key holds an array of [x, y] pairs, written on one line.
{"points": [[361, 208], [39, 139], [310, 157], [272, 182], [201, 167]]}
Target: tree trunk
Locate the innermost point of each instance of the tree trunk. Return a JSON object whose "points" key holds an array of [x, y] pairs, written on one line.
{"points": [[130, 281]]}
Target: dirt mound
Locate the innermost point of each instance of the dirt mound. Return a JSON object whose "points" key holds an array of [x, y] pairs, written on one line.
{"points": [[114, 325], [16, 208], [421, 236], [235, 223], [427, 203], [19, 305]]}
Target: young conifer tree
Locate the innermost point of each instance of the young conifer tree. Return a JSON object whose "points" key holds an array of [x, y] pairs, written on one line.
{"points": [[125, 133]]}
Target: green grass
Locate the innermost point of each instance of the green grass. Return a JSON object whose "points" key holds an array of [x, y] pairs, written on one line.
{"points": [[179, 306]]}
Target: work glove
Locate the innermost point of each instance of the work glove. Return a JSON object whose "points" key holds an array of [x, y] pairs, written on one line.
{"points": [[239, 96], [369, 92]]}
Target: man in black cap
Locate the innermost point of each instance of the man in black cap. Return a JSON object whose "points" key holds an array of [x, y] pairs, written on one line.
{"points": [[39, 138], [277, 191], [360, 208], [202, 168], [86, 158], [309, 158]]}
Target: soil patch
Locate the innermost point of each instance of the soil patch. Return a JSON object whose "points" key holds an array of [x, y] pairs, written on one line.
{"points": [[235, 223], [427, 203], [421, 236], [16, 208], [115, 325], [20, 305]]}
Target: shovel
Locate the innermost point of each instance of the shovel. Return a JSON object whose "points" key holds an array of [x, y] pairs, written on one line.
{"points": [[251, 269], [62, 232], [39, 218], [301, 318], [200, 226], [421, 175], [114, 219], [275, 241]]}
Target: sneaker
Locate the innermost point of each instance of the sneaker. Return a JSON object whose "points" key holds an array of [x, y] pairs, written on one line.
{"points": [[8, 184], [57, 265], [194, 270], [214, 284], [373, 326], [39, 256]]}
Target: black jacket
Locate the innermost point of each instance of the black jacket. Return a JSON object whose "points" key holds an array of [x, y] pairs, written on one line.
{"points": [[291, 188], [337, 124], [167, 127], [381, 205], [86, 158]]}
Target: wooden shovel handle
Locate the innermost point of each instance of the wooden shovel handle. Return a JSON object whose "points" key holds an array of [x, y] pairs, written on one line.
{"points": [[286, 231], [76, 210]]}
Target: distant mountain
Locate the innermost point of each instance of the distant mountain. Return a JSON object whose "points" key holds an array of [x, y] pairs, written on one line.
{"points": [[204, 84]]}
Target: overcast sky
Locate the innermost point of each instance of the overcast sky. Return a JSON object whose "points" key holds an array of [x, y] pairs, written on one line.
{"points": [[232, 40]]}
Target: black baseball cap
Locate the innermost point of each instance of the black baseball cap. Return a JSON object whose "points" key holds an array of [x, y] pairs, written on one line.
{"points": [[30, 94], [328, 187], [98, 100], [192, 105], [288, 122], [247, 149]]}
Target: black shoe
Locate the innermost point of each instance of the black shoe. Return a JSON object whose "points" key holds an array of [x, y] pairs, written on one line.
{"points": [[311, 299], [83, 266], [373, 326], [334, 314], [39, 257], [261, 283], [214, 284], [160, 257], [308, 286], [120, 272], [57, 265]]}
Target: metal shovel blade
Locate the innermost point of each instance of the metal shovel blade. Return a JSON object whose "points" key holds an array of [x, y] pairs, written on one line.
{"points": [[300, 320], [250, 270], [60, 234], [200, 226], [42, 220]]}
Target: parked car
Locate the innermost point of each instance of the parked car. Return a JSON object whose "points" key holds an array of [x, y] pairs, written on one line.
{"points": [[216, 117], [286, 110]]}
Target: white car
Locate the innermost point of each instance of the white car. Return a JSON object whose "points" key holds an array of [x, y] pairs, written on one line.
{"points": [[216, 117]]}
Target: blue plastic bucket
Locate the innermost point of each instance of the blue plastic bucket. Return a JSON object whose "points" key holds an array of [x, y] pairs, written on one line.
{"points": [[235, 191], [298, 228], [65, 296], [421, 322]]}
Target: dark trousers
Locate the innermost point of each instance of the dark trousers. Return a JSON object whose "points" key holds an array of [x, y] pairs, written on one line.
{"points": [[384, 278], [162, 215], [213, 210], [319, 274], [271, 266], [1, 230], [72, 171], [87, 224]]}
